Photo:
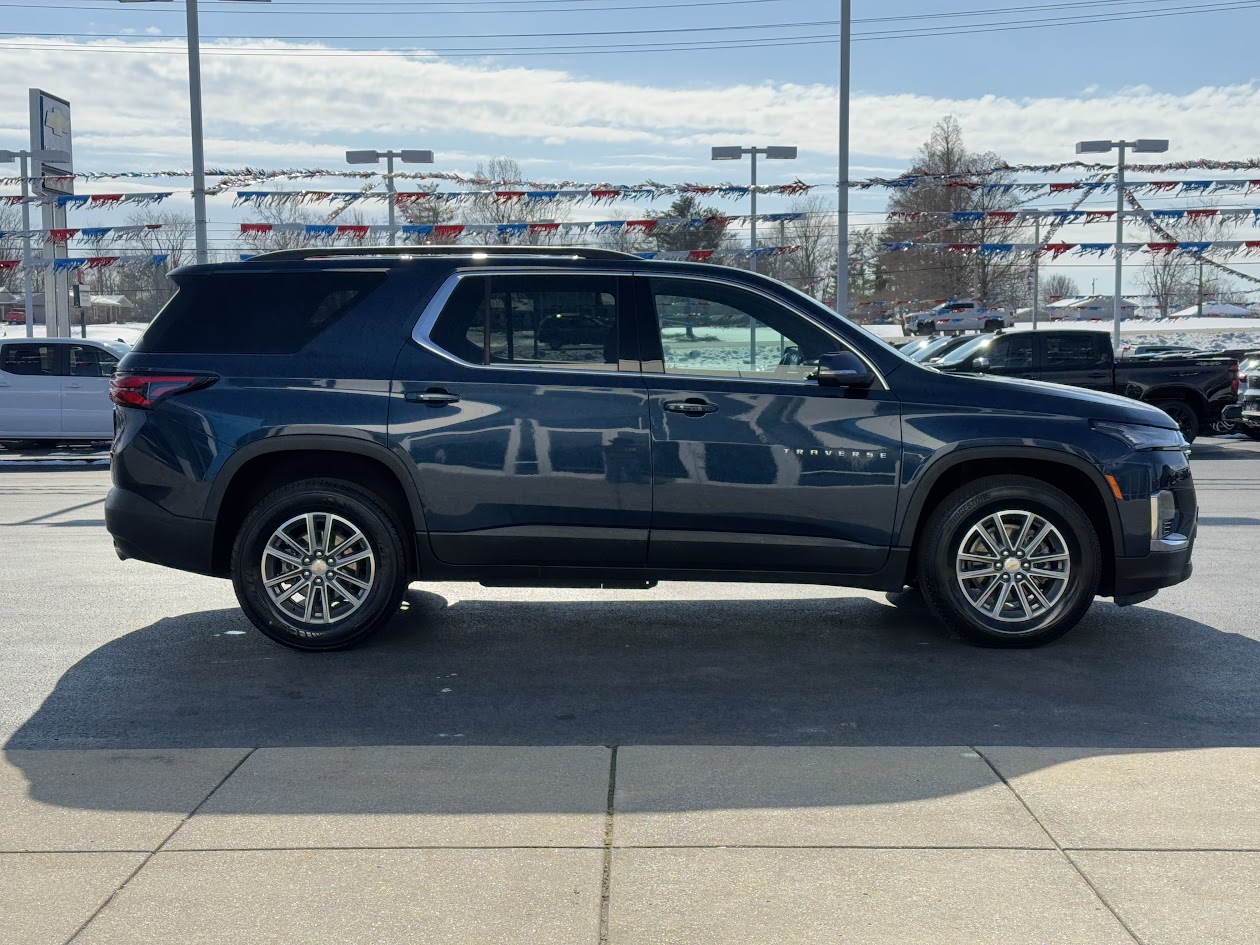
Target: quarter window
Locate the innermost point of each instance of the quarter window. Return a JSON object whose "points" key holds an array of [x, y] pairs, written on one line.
{"points": [[711, 329], [533, 319], [30, 360]]}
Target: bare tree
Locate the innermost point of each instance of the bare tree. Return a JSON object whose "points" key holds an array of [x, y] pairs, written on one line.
{"points": [[953, 275], [10, 247], [487, 209], [1176, 279], [811, 266], [282, 213], [1059, 286]]}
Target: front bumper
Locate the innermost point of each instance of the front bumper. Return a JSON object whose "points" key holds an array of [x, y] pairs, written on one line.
{"points": [[1138, 579], [146, 531]]}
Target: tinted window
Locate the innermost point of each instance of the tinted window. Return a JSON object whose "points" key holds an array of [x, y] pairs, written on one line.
{"points": [[712, 329], [86, 361], [29, 360], [1012, 353], [254, 312], [1072, 351], [545, 319], [975, 348]]}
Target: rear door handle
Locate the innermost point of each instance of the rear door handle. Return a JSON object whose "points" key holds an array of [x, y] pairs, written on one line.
{"points": [[692, 407], [434, 397]]}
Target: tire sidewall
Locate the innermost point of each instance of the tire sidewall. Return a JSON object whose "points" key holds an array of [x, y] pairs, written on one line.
{"points": [[1082, 545], [262, 522]]}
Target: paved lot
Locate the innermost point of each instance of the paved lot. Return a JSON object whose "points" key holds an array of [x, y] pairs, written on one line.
{"points": [[698, 763]]}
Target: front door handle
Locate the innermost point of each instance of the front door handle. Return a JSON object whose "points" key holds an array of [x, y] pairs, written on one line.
{"points": [[692, 407], [434, 397]]}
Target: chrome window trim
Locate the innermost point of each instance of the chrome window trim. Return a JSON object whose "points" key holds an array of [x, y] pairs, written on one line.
{"points": [[429, 316], [825, 329]]}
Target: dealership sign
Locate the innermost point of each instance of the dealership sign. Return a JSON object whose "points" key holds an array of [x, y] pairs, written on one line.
{"points": [[50, 131]]}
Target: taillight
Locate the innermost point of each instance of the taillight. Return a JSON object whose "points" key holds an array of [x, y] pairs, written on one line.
{"points": [[137, 389], [1233, 372]]}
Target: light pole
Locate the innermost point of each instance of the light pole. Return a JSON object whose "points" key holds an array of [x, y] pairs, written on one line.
{"points": [[1140, 146], [28, 292], [771, 154], [842, 197], [374, 157], [194, 108]]}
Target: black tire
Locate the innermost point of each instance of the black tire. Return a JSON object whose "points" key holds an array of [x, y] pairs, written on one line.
{"points": [[951, 524], [1184, 416], [354, 508]]}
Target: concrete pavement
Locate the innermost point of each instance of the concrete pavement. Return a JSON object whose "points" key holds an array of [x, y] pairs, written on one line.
{"points": [[641, 844]]}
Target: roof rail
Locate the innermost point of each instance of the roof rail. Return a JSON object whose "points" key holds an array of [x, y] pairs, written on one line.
{"points": [[328, 252]]}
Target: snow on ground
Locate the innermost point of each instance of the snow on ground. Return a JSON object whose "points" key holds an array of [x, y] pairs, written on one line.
{"points": [[1207, 333], [126, 332]]}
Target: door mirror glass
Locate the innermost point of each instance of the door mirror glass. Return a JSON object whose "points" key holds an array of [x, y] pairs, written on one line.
{"points": [[843, 369], [980, 364]]}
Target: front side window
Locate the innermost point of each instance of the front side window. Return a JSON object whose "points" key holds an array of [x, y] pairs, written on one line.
{"points": [[30, 360], [712, 329], [1015, 353], [538, 319]]}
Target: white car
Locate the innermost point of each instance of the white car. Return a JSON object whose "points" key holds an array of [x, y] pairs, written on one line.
{"points": [[56, 390]]}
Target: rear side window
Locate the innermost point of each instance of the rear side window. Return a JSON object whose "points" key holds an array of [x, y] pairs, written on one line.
{"points": [[29, 360], [86, 361], [254, 312], [1012, 353], [556, 320], [1074, 351]]}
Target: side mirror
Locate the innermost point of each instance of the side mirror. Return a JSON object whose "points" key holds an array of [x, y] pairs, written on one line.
{"points": [[843, 369], [980, 364]]}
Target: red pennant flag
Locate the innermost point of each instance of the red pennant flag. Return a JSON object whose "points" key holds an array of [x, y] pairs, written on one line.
{"points": [[451, 231], [506, 195], [1193, 214], [1055, 250], [412, 196], [1063, 188], [1098, 216], [1158, 185], [100, 262], [645, 225], [700, 255], [358, 231], [1161, 248], [60, 236], [255, 227], [104, 198], [1002, 216], [9, 263], [961, 247], [543, 227], [605, 194], [965, 184]]}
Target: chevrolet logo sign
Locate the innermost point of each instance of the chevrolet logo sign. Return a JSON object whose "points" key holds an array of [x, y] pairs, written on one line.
{"points": [[58, 122]]}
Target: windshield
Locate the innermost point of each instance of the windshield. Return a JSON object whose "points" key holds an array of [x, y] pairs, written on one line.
{"points": [[929, 350], [969, 350]]}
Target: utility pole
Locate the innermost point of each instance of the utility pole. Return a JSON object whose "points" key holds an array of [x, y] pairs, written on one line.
{"points": [[842, 186], [1036, 273]]}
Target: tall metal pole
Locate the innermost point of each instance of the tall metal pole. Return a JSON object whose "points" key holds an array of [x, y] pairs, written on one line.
{"points": [[389, 186], [842, 197], [1115, 316], [753, 194], [1036, 293], [28, 288], [198, 145]]}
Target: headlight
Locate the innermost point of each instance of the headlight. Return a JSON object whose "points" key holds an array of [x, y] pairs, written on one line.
{"points": [[1138, 436]]}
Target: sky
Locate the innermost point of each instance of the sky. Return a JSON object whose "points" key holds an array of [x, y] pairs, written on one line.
{"points": [[297, 83]]}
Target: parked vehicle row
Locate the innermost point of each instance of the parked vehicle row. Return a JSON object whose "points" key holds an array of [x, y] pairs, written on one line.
{"points": [[957, 315], [363, 418], [1194, 391]]}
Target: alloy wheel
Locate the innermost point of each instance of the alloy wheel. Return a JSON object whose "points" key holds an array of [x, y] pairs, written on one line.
{"points": [[318, 568], [1013, 566]]}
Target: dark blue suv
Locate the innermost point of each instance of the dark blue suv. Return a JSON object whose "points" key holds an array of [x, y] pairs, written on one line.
{"points": [[327, 426]]}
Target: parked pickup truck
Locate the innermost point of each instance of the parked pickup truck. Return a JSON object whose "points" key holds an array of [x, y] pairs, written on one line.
{"points": [[1193, 390], [957, 316]]}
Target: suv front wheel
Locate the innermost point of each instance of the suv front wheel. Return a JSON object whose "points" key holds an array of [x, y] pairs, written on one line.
{"points": [[319, 565], [1009, 561]]}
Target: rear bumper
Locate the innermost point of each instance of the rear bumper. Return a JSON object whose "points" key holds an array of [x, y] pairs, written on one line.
{"points": [[1232, 413], [148, 532]]}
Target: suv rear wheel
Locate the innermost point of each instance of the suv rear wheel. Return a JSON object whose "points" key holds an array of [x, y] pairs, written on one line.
{"points": [[319, 565], [1009, 561]]}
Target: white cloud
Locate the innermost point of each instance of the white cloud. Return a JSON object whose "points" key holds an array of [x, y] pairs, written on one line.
{"points": [[283, 110]]}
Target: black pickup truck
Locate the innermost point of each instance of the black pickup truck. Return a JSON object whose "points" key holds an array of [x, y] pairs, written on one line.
{"points": [[1193, 390]]}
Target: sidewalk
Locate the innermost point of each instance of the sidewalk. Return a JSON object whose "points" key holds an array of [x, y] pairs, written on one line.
{"points": [[638, 845]]}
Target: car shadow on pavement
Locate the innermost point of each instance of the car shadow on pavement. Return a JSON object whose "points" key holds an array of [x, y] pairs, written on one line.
{"points": [[819, 671]]}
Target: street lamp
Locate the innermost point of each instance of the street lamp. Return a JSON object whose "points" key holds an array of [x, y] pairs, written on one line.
{"points": [[771, 154], [374, 157], [194, 107], [50, 156], [1140, 146]]}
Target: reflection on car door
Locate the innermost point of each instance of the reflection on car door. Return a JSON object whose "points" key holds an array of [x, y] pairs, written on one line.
{"points": [[754, 465], [86, 410], [30, 390], [528, 453]]}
